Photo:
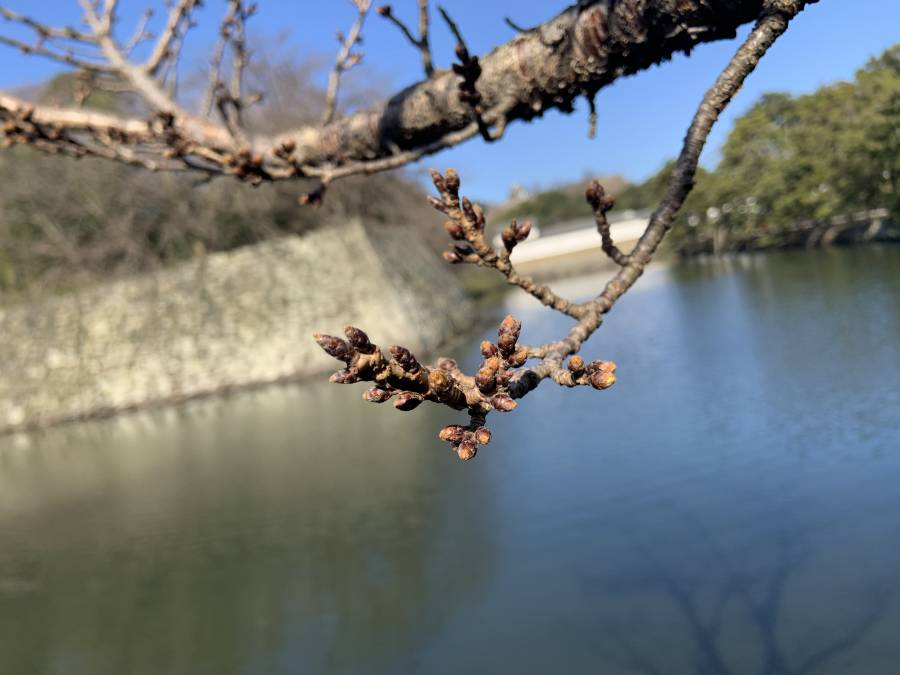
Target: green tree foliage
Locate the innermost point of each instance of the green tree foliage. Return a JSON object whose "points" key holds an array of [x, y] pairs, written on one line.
{"points": [[793, 159]]}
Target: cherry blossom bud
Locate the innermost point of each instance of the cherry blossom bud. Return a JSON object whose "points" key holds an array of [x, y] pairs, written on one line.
{"points": [[467, 450], [455, 230], [405, 359], [439, 381], [343, 377], [334, 346], [438, 180], [576, 365], [452, 434], [602, 379], [504, 377], [488, 349], [508, 334], [503, 403], [518, 357], [384, 10], [486, 379], [508, 235], [451, 180], [376, 395], [438, 205], [482, 435], [479, 216], [452, 257], [446, 364], [522, 231], [407, 400], [359, 340], [598, 199]]}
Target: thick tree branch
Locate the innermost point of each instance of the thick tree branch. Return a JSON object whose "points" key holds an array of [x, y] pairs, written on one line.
{"points": [[576, 53]]}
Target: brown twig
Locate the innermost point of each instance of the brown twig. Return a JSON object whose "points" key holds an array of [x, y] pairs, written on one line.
{"points": [[346, 58], [601, 203], [421, 42]]}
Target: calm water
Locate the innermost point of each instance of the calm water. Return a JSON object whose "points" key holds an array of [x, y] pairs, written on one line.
{"points": [[731, 506]]}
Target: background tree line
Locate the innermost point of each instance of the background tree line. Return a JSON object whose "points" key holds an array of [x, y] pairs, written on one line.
{"points": [[787, 160]]}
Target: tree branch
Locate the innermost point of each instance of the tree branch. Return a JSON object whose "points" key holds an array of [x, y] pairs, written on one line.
{"points": [[581, 50], [502, 377]]}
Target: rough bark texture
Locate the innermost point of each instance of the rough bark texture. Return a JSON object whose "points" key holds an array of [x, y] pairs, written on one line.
{"points": [[576, 53]]}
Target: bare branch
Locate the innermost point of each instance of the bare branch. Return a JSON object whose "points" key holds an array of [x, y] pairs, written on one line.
{"points": [[601, 203], [179, 16], [346, 58], [466, 224], [574, 54], [502, 377], [421, 42]]}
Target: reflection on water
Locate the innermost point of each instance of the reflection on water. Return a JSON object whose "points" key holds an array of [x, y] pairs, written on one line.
{"points": [[729, 507]]}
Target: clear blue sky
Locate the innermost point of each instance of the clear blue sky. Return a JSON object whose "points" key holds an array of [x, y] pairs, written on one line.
{"points": [[641, 119]]}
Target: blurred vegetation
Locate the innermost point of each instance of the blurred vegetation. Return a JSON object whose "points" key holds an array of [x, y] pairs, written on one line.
{"points": [[67, 222], [794, 159]]}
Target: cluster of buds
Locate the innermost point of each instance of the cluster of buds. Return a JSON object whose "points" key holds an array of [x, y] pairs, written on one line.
{"points": [[469, 70], [465, 222], [514, 233], [598, 374], [247, 166], [465, 440], [401, 377]]}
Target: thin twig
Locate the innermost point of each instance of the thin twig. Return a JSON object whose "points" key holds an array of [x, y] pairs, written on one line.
{"points": [[345, 60]]}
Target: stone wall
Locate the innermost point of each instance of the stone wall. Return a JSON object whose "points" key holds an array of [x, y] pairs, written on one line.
{"points": [[223, 321]]}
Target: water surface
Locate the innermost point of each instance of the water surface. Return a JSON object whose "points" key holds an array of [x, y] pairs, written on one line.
{"points": [[730, 506]]}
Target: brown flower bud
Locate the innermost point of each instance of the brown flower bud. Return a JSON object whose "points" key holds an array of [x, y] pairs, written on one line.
{"points": [[576, 365], [437, 179], [488, 349], [343, 377], [601, 366], [508, 235], [405, 359], [384, 10], [452, 257], [467, 450], [504, 377], [503, 403], [451, 179], [485, 379], [602, 379], [359, 340], [482, 435], [598, 199], [522, 231], [466, 205], [452, 434], [438, 205], [376, 395], [439, 381], [455, 230], [446, 364], [518, 357], [407, 400], [508, 334], [479, 216], [334, 346]]}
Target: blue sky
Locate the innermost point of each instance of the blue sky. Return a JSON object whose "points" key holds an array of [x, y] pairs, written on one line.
{"points": [[641, 119]]}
